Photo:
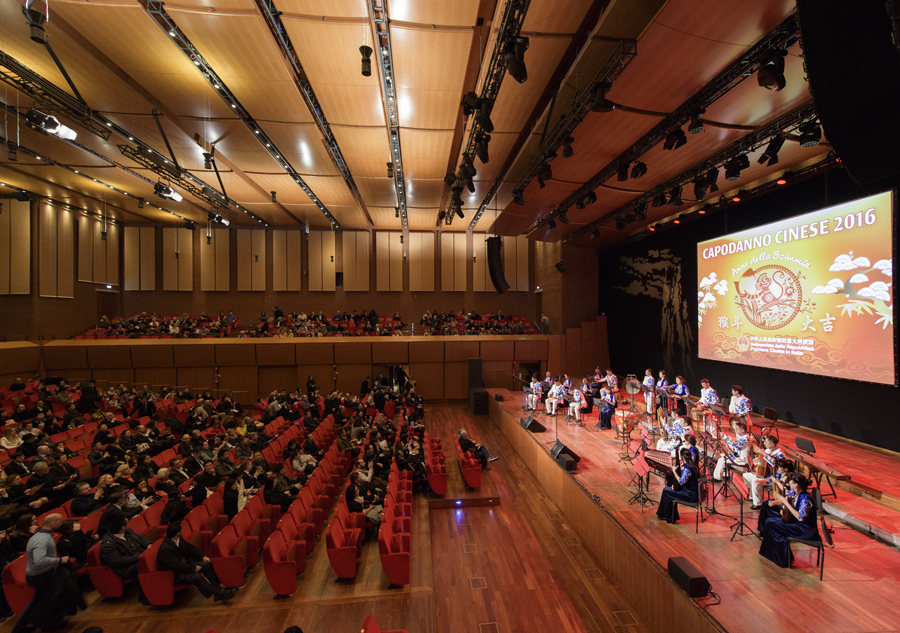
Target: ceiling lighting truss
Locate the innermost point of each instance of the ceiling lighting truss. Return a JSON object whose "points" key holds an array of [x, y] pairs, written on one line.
{"points": [[156, 11], [781, 37], [789, 124], [381, 23], [510, 26]]}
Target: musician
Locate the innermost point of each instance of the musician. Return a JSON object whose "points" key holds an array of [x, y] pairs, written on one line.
{"points": [[681, 389], [739, 449], [708, 395], [533, 398], [673, 434], [754, 483], [687, 489], [784, 468], [607, 410], [555, 394], [661, 383], [577, 406], [598, 375], [649, 396], [740, 404], [567, 382], [586, 388], [776, 532], [548, 381], [611, 381]]}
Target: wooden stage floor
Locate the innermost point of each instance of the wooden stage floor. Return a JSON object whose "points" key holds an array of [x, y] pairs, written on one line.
{"points": [[862, 576]]}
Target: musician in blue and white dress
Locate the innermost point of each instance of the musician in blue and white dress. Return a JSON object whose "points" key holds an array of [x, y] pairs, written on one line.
{"points": [[708, 395], [681, 389], [578, 404], [776, 532], [675, 430], [553, 397], [534, 398], [771, 453], [567, 382], [607, 410], [612, 382], [689, 484], [662, 382], [650, 396], [739, 404], [739, 449]]}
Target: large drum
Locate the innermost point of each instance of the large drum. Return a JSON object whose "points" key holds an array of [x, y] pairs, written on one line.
{"points": [[698, 415]]}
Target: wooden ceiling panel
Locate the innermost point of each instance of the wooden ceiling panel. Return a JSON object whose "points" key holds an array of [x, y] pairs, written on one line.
{"points": [[424, 194], [331, 190], [288, 191], [243, 53], [235, 141], [377, 192], [125, 33], [350, 216], [384, 219], [545, 16], [329, 52], [310, 213], [437, 12], [304, 148], [425, 152], [366, 149], [430, 67], [323, 8], [498, 149], [421, 221]]}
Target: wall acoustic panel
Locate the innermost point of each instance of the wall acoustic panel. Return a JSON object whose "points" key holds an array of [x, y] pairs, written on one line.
{"points": [[98, 258], [57, 251], [178, 261], [481, 277], [15, 248], [98, 254], [389, 249], [148, 259], [214, 263], [47, 254], [355, 251], [421, 262], [251, 259], [112, 254], [131, 251], [522, 279], [65, 257], [453, 262], [85, 249], [4, 248], [314, 243], [286, 272], [294, 273], [329, 266]]}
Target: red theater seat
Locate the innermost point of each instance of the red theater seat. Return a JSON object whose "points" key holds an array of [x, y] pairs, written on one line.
{"points": [[233, 555], [103, 578], [283, 561], [18, 593], [342, 552], [369, 625], [396, 552], [158, 586]]}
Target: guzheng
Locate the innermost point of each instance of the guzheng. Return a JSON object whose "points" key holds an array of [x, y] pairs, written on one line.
{"points": [[660, 462]]}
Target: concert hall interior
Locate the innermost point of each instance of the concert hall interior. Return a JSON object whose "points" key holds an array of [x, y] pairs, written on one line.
{"points": [[640, 251]]}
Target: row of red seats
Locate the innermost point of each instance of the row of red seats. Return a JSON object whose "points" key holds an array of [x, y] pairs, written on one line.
{"points": [[471, 468], [435, 468], [395, 531]]}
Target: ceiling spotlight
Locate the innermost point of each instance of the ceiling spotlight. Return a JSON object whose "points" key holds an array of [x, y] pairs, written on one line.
{"points": [[738, 196], [460, 213], [207, 160], [469, 174], [701, 186], [545, 173], [49, 124], [579, 202], [35, 20], [785, 177], [562, 216], [165, 191], [483, 117], [771, 153], [675, 197], [366, 52], [190, 226], [638, 169], [734, 167], [449, 179], [141, 202], [675, 139], [396, 212], [567, 147], [641, 214], [810, 134], [13, 151], [551, 155], [224, 221], [212, 217], [622, 176], [704, 209], [659, 200], [481, 147], [621, 223], [771, 71], [518, 198], [590, 198], [711, 177], [456, 196], [274, 194], [595, 234], [442, 215], [781, 181], [696, 125], [551, 224], [469, 103], [599, 102], [515, 58]]}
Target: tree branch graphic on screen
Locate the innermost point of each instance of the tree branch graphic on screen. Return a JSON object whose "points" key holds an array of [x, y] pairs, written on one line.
{"points": [[707, 300], [873, 299]]}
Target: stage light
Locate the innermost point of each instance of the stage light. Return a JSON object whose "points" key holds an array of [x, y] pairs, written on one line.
{"points": [[35, 20], [701, 186], [621, 223], [518, 198], [274, 196], [449, 179], [675, 139], [515, 58], [545, 173], [622, 176], [49, 124], [738, 196], [785, 177], [568, 152], [772, 149], [595, 234], [711, 177], [734, 167], [460, 213], [483, 117], [469, 175], [696, 125], [552, 225], [771, 71], [396, 212], [190, 226], [551, 155], [562, 216], [208, 238], [13, 151], [224, 221], [675, 197], [599, 102], [638, 169], [810, 134], [652, 228], [781, 181], [141, 202], [456, 196], [702, 211], [390, 170], [103, 236], [165, 191], [469, 103], [641, 214], [676, 221], [590, 198], [207, 160], [659, 199], [366, 52], [579, 202], [481, 147]]}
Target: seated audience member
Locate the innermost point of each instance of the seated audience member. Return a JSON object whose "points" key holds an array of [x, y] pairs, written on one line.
{"points": [[86, 501], [121, 548], [478, 451], [190, 566], [73, 542]]}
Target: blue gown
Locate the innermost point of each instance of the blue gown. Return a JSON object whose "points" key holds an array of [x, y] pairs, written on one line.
{"points": [[776, 532], [668, 509]]}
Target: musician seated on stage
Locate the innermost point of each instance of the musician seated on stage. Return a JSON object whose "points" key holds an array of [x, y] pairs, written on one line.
{"points": [[608, 410], [554, 397], [801, 523], [708, 395], [784, 468], [578, 406], [764, 462], [673, 432], [612, 382], [686, 488], [533, 399], [739, 404], [738, 450]]}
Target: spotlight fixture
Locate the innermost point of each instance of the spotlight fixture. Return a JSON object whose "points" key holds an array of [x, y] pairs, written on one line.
{"points": [[551, 224], [456, 196], [810, 134], [460, 213], [518, 198], [103, 235], [224, 222], [396, 212], [13, 151], [622, 176], [659, 200], [165, 191], [621, 223], [481, 147], [599, 102], [638, 169], [771, 71], [209, 239], [562, 216], [551, 155], [579, 202], [35, 20], [701, 186], [734, 167], [449, 179], [781, 181], [704, 209], [515, 58], [675, 139], [469, 174], [771, 153], [641, 214], [141, 202], [212, 217], [711, 177], [696, 125], [469, 103], [483, 117], [568, 152], [595, 234], [545, 173], [785, 177], [390, 170], [738, 196], [366, 52], [590, 198], [274, 194], [675, 197], [207, 160], [441, 216], [49, 124]]}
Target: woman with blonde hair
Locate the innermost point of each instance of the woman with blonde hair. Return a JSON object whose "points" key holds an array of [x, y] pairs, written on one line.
{"points": [[10, 438]]}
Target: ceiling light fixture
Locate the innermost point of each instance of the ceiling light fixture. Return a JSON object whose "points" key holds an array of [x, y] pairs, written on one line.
{"points": [[590, 197], [544, 174], [568, 152], [49, 124], [675, 139], [483, 117], [622, 174], [712, 175], [810, 134], [641, 214], [675, 197], [771, 71], [771, 152], [481, 147], [734, 167], [470, 103], [638, 170], [13, 151], [207, 160], [595, 234], [659, 200], [165, 191], [390, 170], [366, 52], [551, 224], [599, 102], [515, 58], [562, 216], [518, 198], [696, 125]]}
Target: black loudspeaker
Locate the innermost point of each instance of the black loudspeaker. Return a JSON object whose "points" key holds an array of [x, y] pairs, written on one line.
{"points": [[561, 449], [567, 462], [498, 397], [561, 266], [854, 75], [530, 424], [476, 379], [478, 401], [688, 578], [495, 264]]}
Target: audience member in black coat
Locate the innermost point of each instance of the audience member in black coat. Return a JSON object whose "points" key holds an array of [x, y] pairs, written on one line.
{"points": [[191, 567], [85, 501], [121, 548], [73, 542]]}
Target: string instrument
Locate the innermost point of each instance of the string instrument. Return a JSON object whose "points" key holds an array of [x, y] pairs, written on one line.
{"points": [[786, 515], [676, 486]]}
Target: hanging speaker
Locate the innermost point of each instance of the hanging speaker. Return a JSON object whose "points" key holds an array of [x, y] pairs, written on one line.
{"points": [[561, 266], [495, 264], [853, 68]]}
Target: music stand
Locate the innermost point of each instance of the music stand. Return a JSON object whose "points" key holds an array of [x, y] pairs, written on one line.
{"points": [[642, 468], [664, 395], [598, 404], [719, 412], [740, 490], [710, 442], [528, 391]]}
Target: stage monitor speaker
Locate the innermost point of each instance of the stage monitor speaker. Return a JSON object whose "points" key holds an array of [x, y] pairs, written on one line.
{"points": [[476, 378], [478, 401], [567, 462], [561, 266], [495, 264], [560, 448], [688, 578], [853, 68], [530, 424]]}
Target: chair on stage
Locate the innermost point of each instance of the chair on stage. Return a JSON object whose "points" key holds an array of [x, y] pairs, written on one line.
{"points": [[825, 533], [698, 504]]}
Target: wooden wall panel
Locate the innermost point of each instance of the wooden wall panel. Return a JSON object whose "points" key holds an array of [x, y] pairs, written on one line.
{"points": [[446, 262], [426, 352], [222, 241], [47, 267], [148, 258], [522, 278], [244, 257], [258, 260], [496, 374], [398, 248], [19, 247], [314, 353], [556, 355], [60, 358], [155, 376], [355, 249], [4, 250], [532, 350], [588, 346], [197, 378], [415, 259], [510, 259], [98, 258], [456, 381], [350, 377], [20, 358], [573, 350], [275, 355], [207, 261], [322, 374], [152, 356], [279, 260], [363, 260], [235, 355], [348, 257], [455, 351], [429, 379], [131, 249], [329, 266], [103, 356], [382, 261], [314, 243], [170, 258], [65, 258], [353, 352], [498, 350], [112, 254], [390, 353], [421, 261], [294, 262], [185, 260], [193, 355], [481, 277], [460, 262], [241, 381], [114, 375]]}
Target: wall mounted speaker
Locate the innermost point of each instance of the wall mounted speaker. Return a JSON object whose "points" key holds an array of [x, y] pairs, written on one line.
{"points": [[561, 266], [495, 264]]}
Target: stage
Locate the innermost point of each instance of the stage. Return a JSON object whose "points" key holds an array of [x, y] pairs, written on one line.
{"points": [[861, 578]]}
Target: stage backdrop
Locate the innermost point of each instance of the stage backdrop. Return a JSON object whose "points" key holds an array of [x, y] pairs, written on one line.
{"points": [[811, 293]]}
